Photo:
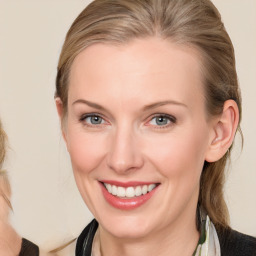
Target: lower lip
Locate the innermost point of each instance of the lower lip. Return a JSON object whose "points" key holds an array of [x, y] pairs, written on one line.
{"points": [[126, 204]]}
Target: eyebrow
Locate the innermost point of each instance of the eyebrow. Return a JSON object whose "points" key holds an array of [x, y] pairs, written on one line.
{"points": [[145, 108], [162, 103], [90, 104]]}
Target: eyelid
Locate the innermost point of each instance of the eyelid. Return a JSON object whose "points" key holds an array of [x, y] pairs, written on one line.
{"points": [[86, 115], [172, 119]]}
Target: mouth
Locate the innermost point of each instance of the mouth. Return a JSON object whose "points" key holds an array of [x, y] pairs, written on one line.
{"points": [[127, 196], [129, 192]]}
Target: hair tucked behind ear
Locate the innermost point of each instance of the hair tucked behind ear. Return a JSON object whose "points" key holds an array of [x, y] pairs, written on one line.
{"points": [[211, 195], [195, 23]]}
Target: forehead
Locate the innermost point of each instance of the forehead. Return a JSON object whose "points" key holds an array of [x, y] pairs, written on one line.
{"points": [[151, 69]]}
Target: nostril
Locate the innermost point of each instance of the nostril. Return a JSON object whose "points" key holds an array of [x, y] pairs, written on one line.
{"points": [[123, 165]]}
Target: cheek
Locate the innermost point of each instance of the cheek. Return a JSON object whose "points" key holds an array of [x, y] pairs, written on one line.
{"points": [[180, 154], [86, 150]]}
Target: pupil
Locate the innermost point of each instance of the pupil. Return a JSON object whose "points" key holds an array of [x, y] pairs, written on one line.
{"points": [[96, 120], [161, 120]]}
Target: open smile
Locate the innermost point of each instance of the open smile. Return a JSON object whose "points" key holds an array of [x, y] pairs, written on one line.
{"points": [[129, 192], [127, 196]]}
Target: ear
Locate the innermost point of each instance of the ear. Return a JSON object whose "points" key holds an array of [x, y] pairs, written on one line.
{"points": [[224, 130], [59, 107]]}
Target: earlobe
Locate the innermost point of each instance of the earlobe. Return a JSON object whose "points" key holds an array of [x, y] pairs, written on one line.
{"points": [[224, 128], [59, 107]]}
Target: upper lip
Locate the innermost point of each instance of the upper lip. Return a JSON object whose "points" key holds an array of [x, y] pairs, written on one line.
{"points": [[128, 183]]}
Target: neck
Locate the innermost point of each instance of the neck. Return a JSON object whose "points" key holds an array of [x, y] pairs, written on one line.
{"points": [[179, 238]]}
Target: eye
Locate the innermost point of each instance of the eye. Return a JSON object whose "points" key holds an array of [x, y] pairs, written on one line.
{"points": [[92, 119], [162, 120]]}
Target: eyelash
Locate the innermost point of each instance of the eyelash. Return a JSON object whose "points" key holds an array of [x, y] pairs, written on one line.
{"points": [[171, 119], [84, 116]]}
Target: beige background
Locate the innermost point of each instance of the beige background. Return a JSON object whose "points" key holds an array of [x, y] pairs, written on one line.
{"points": [[47, 206]]}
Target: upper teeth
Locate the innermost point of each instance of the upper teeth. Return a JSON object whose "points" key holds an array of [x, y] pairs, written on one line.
{"points": [[129, 191]]}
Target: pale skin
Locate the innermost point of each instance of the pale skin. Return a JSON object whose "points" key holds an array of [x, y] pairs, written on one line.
{"points": [[10, 241], [128, 88]]}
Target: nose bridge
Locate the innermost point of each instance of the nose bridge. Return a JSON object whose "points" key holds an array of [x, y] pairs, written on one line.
{"points": [[124, 153]]}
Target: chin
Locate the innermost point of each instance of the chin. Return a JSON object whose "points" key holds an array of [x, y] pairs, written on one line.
{"points": [[128, 227]]}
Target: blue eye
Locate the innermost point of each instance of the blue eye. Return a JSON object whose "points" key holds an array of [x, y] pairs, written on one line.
{"points": [[162, 120], [93, 119]]}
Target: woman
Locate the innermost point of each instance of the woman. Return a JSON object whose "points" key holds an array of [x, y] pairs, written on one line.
{"points": [[149, 102], [11, 243]]}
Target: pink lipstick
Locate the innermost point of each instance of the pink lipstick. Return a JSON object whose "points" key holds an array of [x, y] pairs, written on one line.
{"points": [[129, 195]]}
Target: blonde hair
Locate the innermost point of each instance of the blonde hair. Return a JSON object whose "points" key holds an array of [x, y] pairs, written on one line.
{"points": [[195, 23], [2, 145], [3, 175]]}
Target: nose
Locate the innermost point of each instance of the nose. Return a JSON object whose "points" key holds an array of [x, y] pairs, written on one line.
{"points": [[124, 154]]}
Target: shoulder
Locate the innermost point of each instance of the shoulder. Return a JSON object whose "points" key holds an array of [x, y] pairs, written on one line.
{"points": [[233, 243], [80, 246], [28, 248]]}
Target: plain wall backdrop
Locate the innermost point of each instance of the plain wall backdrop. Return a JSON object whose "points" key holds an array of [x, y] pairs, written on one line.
{"points": [[47, 206]]}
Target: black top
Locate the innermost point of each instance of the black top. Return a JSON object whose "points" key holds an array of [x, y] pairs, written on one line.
{"points": [[84, 241], [28, 248], [232, 243]]}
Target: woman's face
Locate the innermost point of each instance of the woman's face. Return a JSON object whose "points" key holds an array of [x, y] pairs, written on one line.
{"points": [[136, 124]]}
